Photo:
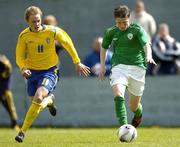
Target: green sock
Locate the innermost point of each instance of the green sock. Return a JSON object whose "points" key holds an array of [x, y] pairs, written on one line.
{"points": [[120, 108], [138, 111]]}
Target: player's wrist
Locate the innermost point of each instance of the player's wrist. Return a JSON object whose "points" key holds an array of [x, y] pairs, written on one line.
{"points": [[149, 57], [23, 69], [77, 63]]}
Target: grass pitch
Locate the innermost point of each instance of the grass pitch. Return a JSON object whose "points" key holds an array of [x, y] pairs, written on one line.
{"points": [[90, 137]]}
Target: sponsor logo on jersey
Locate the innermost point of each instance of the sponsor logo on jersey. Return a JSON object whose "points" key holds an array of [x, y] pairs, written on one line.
{"points": [[130, 36], [48, 40], [30, 41], [114, 39]]}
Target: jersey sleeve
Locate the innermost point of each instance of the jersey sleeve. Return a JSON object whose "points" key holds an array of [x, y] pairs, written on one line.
{"points": [[106, 40], [20, 52], [63, 38], [142, 36]]}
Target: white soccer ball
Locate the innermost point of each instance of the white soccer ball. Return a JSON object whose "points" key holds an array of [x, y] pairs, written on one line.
{"points": [[127, 133]]}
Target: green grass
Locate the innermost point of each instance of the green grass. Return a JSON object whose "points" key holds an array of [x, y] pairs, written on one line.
{"points": [[90, 137]]}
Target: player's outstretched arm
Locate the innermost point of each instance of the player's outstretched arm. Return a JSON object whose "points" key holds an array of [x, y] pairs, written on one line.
{"points": [[82, 69], [102, 64], [148, 52]]}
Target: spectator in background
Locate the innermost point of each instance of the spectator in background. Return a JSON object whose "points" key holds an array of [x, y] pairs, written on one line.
{"points": [[92, 60], [6, 96], [51, 20], [166, 51], [140, 16]]}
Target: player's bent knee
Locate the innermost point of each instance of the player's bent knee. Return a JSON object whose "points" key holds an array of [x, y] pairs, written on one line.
{"points": [[37, 100], [118, 94], [38, 96], [117, 91], [42, 91]]}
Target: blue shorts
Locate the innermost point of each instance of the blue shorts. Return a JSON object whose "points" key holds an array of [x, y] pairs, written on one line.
{"points": [[46, 78]]}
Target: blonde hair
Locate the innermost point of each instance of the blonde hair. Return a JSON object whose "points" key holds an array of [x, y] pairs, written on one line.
{"points": [[50, 20], [32, 10]]}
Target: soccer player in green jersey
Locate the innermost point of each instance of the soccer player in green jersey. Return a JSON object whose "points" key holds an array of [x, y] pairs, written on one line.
{"points": [[131, 53], [37, 59]]}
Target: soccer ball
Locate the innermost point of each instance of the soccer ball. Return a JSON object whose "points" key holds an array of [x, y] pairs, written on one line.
{"points": [[127, 133]]}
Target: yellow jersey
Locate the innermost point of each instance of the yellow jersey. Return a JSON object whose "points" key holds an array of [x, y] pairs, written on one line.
{"points": [[37, 50]]}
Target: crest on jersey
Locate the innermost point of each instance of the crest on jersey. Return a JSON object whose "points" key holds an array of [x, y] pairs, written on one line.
{"points": [[48, 40], [30, 41], [130, 36]]}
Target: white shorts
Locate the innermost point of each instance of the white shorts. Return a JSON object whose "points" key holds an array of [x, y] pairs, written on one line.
{"points": [[130, 77]]}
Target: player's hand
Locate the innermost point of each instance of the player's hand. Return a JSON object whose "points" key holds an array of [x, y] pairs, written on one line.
{"points": [[26, 73], [82, 69], [101, 73], [150, 60]]}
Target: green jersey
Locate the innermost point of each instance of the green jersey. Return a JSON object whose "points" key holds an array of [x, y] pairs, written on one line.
{"points": [[128, 45]]}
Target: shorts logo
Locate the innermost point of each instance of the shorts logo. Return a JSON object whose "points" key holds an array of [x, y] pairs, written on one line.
{"points": [[130, 36], [45, 81], [48, 40]]}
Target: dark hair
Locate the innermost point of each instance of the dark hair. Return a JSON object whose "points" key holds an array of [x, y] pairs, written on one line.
{"points": [[121, 12]]}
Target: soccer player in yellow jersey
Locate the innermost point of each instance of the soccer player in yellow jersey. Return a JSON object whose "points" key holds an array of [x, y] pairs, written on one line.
{"points": [[37, 59], [6, 95]]}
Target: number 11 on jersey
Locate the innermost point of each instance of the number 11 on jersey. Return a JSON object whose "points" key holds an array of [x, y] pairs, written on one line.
{"points": [[40, 48]]}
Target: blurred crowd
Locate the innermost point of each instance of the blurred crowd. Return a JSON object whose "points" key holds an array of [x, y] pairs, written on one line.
{"points": [[165, 48]]}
